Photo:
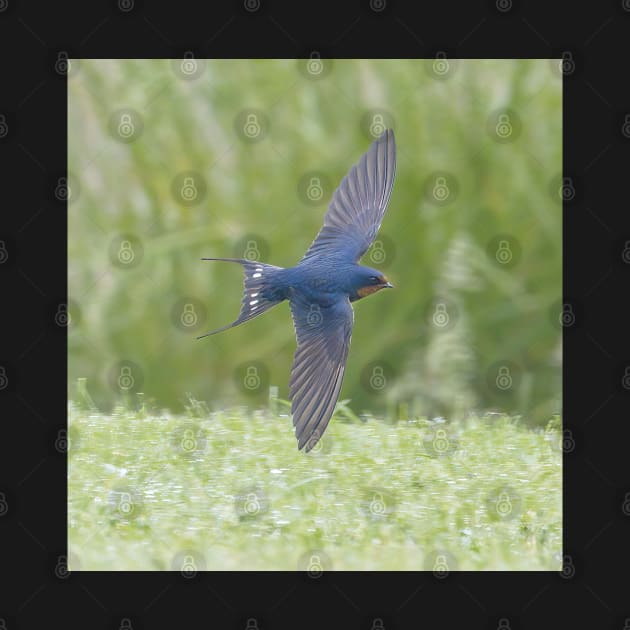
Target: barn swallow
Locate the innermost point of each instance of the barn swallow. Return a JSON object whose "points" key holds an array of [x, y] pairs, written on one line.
{"points": [[321, 287]]}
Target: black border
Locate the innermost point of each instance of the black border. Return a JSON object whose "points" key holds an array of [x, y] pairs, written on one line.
{"points": [[592, 589]]}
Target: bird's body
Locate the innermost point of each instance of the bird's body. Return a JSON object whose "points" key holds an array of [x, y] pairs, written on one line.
{"points": [[322, 285]]}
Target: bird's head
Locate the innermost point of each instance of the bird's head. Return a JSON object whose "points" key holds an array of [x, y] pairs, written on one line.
{"points": [[369, 281]]}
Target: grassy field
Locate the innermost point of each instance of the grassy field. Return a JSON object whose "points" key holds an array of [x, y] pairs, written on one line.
{"points": [[228, 490]]}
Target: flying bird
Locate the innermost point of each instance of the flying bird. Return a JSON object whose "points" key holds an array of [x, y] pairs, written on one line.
{"points": [[321, 287]]}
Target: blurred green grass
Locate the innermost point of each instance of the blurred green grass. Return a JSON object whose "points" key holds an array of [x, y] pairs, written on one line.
{"points": [[228, 490], [437, 250]]}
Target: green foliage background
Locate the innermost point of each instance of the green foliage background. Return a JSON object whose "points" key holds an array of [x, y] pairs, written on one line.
{"points": [[501, 315]]}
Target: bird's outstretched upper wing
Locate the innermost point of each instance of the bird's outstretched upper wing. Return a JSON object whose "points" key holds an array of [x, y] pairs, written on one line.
{"points": [[358, 205], [323, 338]]}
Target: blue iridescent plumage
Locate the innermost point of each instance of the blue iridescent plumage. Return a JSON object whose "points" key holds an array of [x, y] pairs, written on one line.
{"points": [[321, 287]]}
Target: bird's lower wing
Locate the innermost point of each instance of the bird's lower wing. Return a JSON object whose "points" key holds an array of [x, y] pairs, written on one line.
{"points": [[323, 338]]}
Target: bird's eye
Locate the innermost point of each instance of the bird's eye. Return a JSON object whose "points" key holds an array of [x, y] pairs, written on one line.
{"points": [[374, 280]]}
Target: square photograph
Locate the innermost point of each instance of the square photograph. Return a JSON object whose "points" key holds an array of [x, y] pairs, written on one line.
{"points": [[315, 315]]}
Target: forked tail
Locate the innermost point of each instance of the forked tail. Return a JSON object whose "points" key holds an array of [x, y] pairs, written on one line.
{"points": [[261, 290]]}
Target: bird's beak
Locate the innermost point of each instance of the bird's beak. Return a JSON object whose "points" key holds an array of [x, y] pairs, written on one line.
{"points": [[388, 285]]}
